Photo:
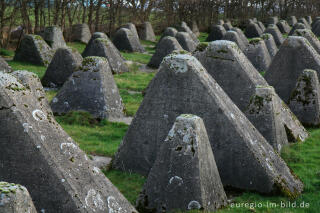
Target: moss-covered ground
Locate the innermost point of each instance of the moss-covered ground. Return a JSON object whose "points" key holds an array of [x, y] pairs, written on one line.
{"points": [[103, 138]]}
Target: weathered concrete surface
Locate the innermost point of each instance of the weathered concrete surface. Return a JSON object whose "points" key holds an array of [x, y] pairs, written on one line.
{"points": [[274, 31], [64, 62], [309, 19], [165, 47], [283, 26], [238, 78], [272, 20], [94, 36], [101, 162], [4, 66], [37, 153], [270, 43], [295, 55], [169, 31], [146, 32], [304, 21], [244, 158], [258, 54], [296, 27], [126, 40], [261, 25], [185, 175], [184, 28], [227, 26], [310, 36], [217, 32], [253, 30], [194, 28], [264, 111], [81, 33], [103, 47], [233, 36], [305, 98], [186, 41], [54, 37], [241, 35], [34, 49], [15, 198], [132, 28], [292, 20], [90, 88]]}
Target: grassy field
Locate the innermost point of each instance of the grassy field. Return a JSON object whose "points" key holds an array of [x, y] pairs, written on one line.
{"points": [[103, 138]]}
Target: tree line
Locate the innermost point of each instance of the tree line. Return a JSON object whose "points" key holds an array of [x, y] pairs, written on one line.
{"points": [[108, 15]]}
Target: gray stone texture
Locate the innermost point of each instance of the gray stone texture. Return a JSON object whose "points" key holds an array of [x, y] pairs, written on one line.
{"points": [[81, 33], [194, 28], [64, 62], [186, 41], [103, 47], [37, 153], [272, 20], [146, 32], [261, 25], [34, 49], [283, 26], [238, 78], [244, 158], [253, 30], [184, 28], [165, 47], [90, 88], [316, 28], [54, 37], [132, 28], [310, 36], [169, 31], [258, 54], [241, 35], [292, 20], [185, 175], [295, 55], [15, 198], [296, 27], [126, 40], [309, 19], [4, 66], [270, 43], [305, 98], [274, 31], [264, 112], [216, 33], [233, 36], [305, 22]]}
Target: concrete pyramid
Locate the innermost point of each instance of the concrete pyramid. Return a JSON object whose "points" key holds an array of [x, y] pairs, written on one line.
{"points": [[295, 55], [217, 32], [264, 111], [305, 22], [238, 78], [37, 153], [194, 28], [244, 158], [54, 37], [296, 27], [185, 28], [126, 40], [261, 25], [103, 47], [4, 66], [165, 47], [227, 26], [305, 98], [169, 31], [310, 36], [90, 88], [146, 32], [292, 20], [186, 41], [177, 179], [33, 49], [233, 36], [94, 36], [257, 52], [272, 20], [253, 30], [270, 43], [241, 35], [81, 33], [274, 31], [132, 28], [65, 61], [15, 198], [283, 26]]}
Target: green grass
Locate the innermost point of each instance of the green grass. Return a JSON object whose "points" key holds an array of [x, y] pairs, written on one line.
{"points": [[77, 45], [149, 43], [6, 53], [50, 94], [129, 184], [203, 37], [136, 57], [133, 80], [131, 101], [96, 138], [37, 69]]}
